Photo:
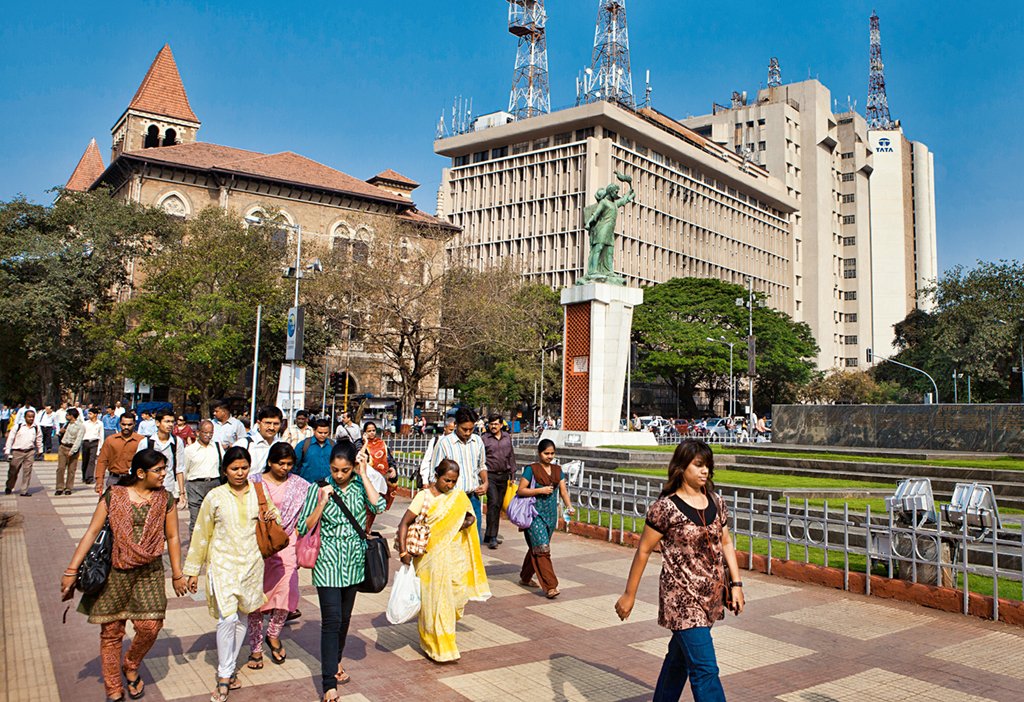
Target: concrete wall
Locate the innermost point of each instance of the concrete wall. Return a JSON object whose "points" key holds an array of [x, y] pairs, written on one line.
{"points": [[995, 428]]}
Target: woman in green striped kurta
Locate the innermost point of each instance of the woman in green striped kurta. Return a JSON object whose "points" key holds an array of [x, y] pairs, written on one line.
{"points": [[341, 563]]}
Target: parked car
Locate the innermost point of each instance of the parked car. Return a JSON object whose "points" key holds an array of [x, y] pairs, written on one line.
{"points": [[717, 426]]}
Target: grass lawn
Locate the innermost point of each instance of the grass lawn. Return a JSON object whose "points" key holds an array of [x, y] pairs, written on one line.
{"points": [[1003, 463]]}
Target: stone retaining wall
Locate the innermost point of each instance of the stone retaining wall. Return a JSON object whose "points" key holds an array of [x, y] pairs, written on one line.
{"points": [[987, 428]]}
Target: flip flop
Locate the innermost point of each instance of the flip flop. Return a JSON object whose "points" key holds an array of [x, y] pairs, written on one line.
{"points": [[254, 663], [275, 651]]}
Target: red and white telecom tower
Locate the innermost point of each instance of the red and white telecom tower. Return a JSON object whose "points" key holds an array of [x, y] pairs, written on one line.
{"points": [[531, 94]]}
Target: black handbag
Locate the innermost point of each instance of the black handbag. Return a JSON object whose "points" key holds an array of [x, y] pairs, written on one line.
{"points": [[95, 569], [377, 554]]}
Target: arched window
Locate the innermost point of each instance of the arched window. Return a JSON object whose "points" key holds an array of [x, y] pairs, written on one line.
{"points": [[170, 137], [175, 205], [152, 137]]}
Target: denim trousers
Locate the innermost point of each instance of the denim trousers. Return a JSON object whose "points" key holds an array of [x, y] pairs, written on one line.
{"points": [[335, 614], [691, 654], [478, 511]]}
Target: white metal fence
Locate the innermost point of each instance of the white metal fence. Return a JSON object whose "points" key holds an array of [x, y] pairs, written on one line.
{"points": [[931, 553]]}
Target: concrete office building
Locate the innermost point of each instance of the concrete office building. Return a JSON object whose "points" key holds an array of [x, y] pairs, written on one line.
{"points": [[517, 190], [864, 235]]}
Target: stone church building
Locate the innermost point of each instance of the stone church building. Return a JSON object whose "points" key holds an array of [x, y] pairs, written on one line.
{"points": [[156, 159]]}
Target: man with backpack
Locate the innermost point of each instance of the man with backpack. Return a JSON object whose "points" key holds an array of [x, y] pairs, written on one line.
{"points": [[262, 436], [173, 450], [23, 443], [313, 453]]}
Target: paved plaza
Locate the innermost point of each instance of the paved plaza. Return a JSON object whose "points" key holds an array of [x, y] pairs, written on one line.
{"points": [[795, 643]]}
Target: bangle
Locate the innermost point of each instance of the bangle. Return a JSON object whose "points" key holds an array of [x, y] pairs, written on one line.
{"points": [[737, 583], [177, 577], [70, 573], [403, 554]]}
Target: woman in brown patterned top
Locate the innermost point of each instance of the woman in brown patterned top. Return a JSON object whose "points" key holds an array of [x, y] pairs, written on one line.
{"points": [[142, 519], [690, 521]]}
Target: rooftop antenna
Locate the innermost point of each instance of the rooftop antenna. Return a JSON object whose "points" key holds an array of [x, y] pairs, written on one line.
{"points": [[774, 73], [610, 76], [878, 103], [531, 94], [442, 129], [647, 89]]}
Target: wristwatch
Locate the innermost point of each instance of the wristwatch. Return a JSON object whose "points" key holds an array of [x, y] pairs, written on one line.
{"points": [[737, 583]]}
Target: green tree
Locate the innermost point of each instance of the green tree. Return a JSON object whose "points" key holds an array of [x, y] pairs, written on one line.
{"points": [[671, 329], [60, 267], [192, 326]]}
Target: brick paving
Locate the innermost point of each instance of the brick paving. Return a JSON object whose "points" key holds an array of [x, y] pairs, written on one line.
{"points": [[795, 642]]}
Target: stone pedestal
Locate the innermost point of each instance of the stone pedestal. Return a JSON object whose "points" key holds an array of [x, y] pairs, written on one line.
{"points": [[598, 321]]}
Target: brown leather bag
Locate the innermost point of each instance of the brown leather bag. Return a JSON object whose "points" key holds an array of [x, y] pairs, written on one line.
{"points": [[270, 536]]}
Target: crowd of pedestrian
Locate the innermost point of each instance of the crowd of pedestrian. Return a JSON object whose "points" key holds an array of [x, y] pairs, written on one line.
{"points": [[321, 491]]}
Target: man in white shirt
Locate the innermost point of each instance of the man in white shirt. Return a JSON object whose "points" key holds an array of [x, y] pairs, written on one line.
{"points": [[60, 417], [20, 417], [147, 427], [467, 449], [202, 468], [262, 437], [227, 430], [427, 463], [349, 431], [92, 442], [23, 443], [300, 430], [173, 450], [46, 421], [118, 409]]}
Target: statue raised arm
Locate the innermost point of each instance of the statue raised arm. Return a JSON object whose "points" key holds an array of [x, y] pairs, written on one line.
{"points": [[599, 219]]}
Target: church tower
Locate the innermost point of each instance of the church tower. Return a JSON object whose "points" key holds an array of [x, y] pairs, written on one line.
{"points": [[159, 114]]}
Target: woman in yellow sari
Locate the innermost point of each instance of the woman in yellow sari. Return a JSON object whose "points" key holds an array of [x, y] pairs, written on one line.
{"points": [[451, 572]]}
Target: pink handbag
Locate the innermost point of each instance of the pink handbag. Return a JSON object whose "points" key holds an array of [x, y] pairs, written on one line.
{"points": [[307, 548]]}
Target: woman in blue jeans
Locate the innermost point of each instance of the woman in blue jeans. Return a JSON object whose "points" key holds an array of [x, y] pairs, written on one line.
{"points": [[690, 521]]}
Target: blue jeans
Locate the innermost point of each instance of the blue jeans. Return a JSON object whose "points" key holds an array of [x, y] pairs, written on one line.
{"points": [[475, 501], [691, 654]]}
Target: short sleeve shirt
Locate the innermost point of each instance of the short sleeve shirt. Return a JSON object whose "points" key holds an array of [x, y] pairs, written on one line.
{"points": [[692, 572]]}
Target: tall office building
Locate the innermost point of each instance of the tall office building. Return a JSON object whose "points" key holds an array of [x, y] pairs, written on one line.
{"points": [[516, 190], [865, 231]]}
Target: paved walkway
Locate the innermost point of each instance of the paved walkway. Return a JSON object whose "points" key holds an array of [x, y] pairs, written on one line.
{"points": [[794, 643]]}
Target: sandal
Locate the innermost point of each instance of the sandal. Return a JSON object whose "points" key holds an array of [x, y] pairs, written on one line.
{"points": [[233, 683], [553, 593], [221, 694], [342, 677], [275, 651], [530, 583], [254, 663], [331, 696], [136, 688]]}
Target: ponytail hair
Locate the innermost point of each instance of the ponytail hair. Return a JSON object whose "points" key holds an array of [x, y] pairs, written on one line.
{"points": [[685, 453]]}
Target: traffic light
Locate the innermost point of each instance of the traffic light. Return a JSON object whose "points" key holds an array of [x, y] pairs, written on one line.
{"points": [[336, 382]]}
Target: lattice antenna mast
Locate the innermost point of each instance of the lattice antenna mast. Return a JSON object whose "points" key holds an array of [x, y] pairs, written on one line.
{"points": [[774, 73], [878, 104], [531, 94], [609, 76]]}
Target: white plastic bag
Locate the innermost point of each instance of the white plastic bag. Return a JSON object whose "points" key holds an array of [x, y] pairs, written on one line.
{"points": [[404, 602]]}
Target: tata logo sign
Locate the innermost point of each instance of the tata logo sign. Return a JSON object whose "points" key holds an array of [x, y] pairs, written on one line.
{"points": [[885, 145]]}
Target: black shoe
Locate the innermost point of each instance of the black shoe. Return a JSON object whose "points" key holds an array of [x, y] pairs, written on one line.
{"points": [[25, 494], [67, 492], [492, 544], [8, 492], [499, 539], [292, 616]]}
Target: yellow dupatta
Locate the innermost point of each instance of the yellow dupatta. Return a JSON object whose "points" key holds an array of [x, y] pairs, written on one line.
{"points": [[451, 574]]}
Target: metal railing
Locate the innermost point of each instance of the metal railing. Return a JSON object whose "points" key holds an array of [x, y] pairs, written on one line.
{"points": [[835, 537]]}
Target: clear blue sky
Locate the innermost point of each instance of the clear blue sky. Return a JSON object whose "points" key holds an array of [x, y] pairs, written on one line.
{"points": [[360, 85]]}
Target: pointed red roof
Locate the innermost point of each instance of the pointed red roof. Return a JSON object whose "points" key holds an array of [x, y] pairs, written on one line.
{"points": [[89, 168], [162, 91]]}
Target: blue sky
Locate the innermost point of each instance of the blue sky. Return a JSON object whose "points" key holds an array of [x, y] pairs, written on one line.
{"points": [[360, 86]]}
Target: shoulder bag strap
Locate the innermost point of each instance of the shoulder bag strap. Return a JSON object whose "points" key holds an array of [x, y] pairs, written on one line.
{"points": [[262, 500], [305, 449], [352, 520]]}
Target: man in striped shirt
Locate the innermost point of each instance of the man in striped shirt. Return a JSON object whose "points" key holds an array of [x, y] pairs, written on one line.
{"points": [[467, 449]]}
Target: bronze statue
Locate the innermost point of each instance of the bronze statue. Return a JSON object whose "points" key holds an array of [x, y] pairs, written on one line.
{"points": [[599, 219]]}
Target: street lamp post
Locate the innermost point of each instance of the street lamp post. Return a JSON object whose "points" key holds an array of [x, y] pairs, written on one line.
{"points": [[956, 377], [297, 228], [749, 304], [732, 386], [871, 356]]}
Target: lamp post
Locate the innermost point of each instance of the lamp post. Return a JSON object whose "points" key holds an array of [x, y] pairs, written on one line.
{"points": [[872, 356], [751, 361], [1020, 338], [956, 377], [732, 386], [297, 228]]}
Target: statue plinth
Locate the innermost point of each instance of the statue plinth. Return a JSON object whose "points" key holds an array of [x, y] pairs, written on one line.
{"points": [[598, 322]]}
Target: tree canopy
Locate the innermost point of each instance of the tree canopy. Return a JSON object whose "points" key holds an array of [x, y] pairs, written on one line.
{"points": [[671, 330], [60, 267]]}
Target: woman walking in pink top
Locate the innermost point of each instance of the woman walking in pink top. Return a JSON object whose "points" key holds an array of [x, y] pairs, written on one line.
{"points": [[280, 571]]}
